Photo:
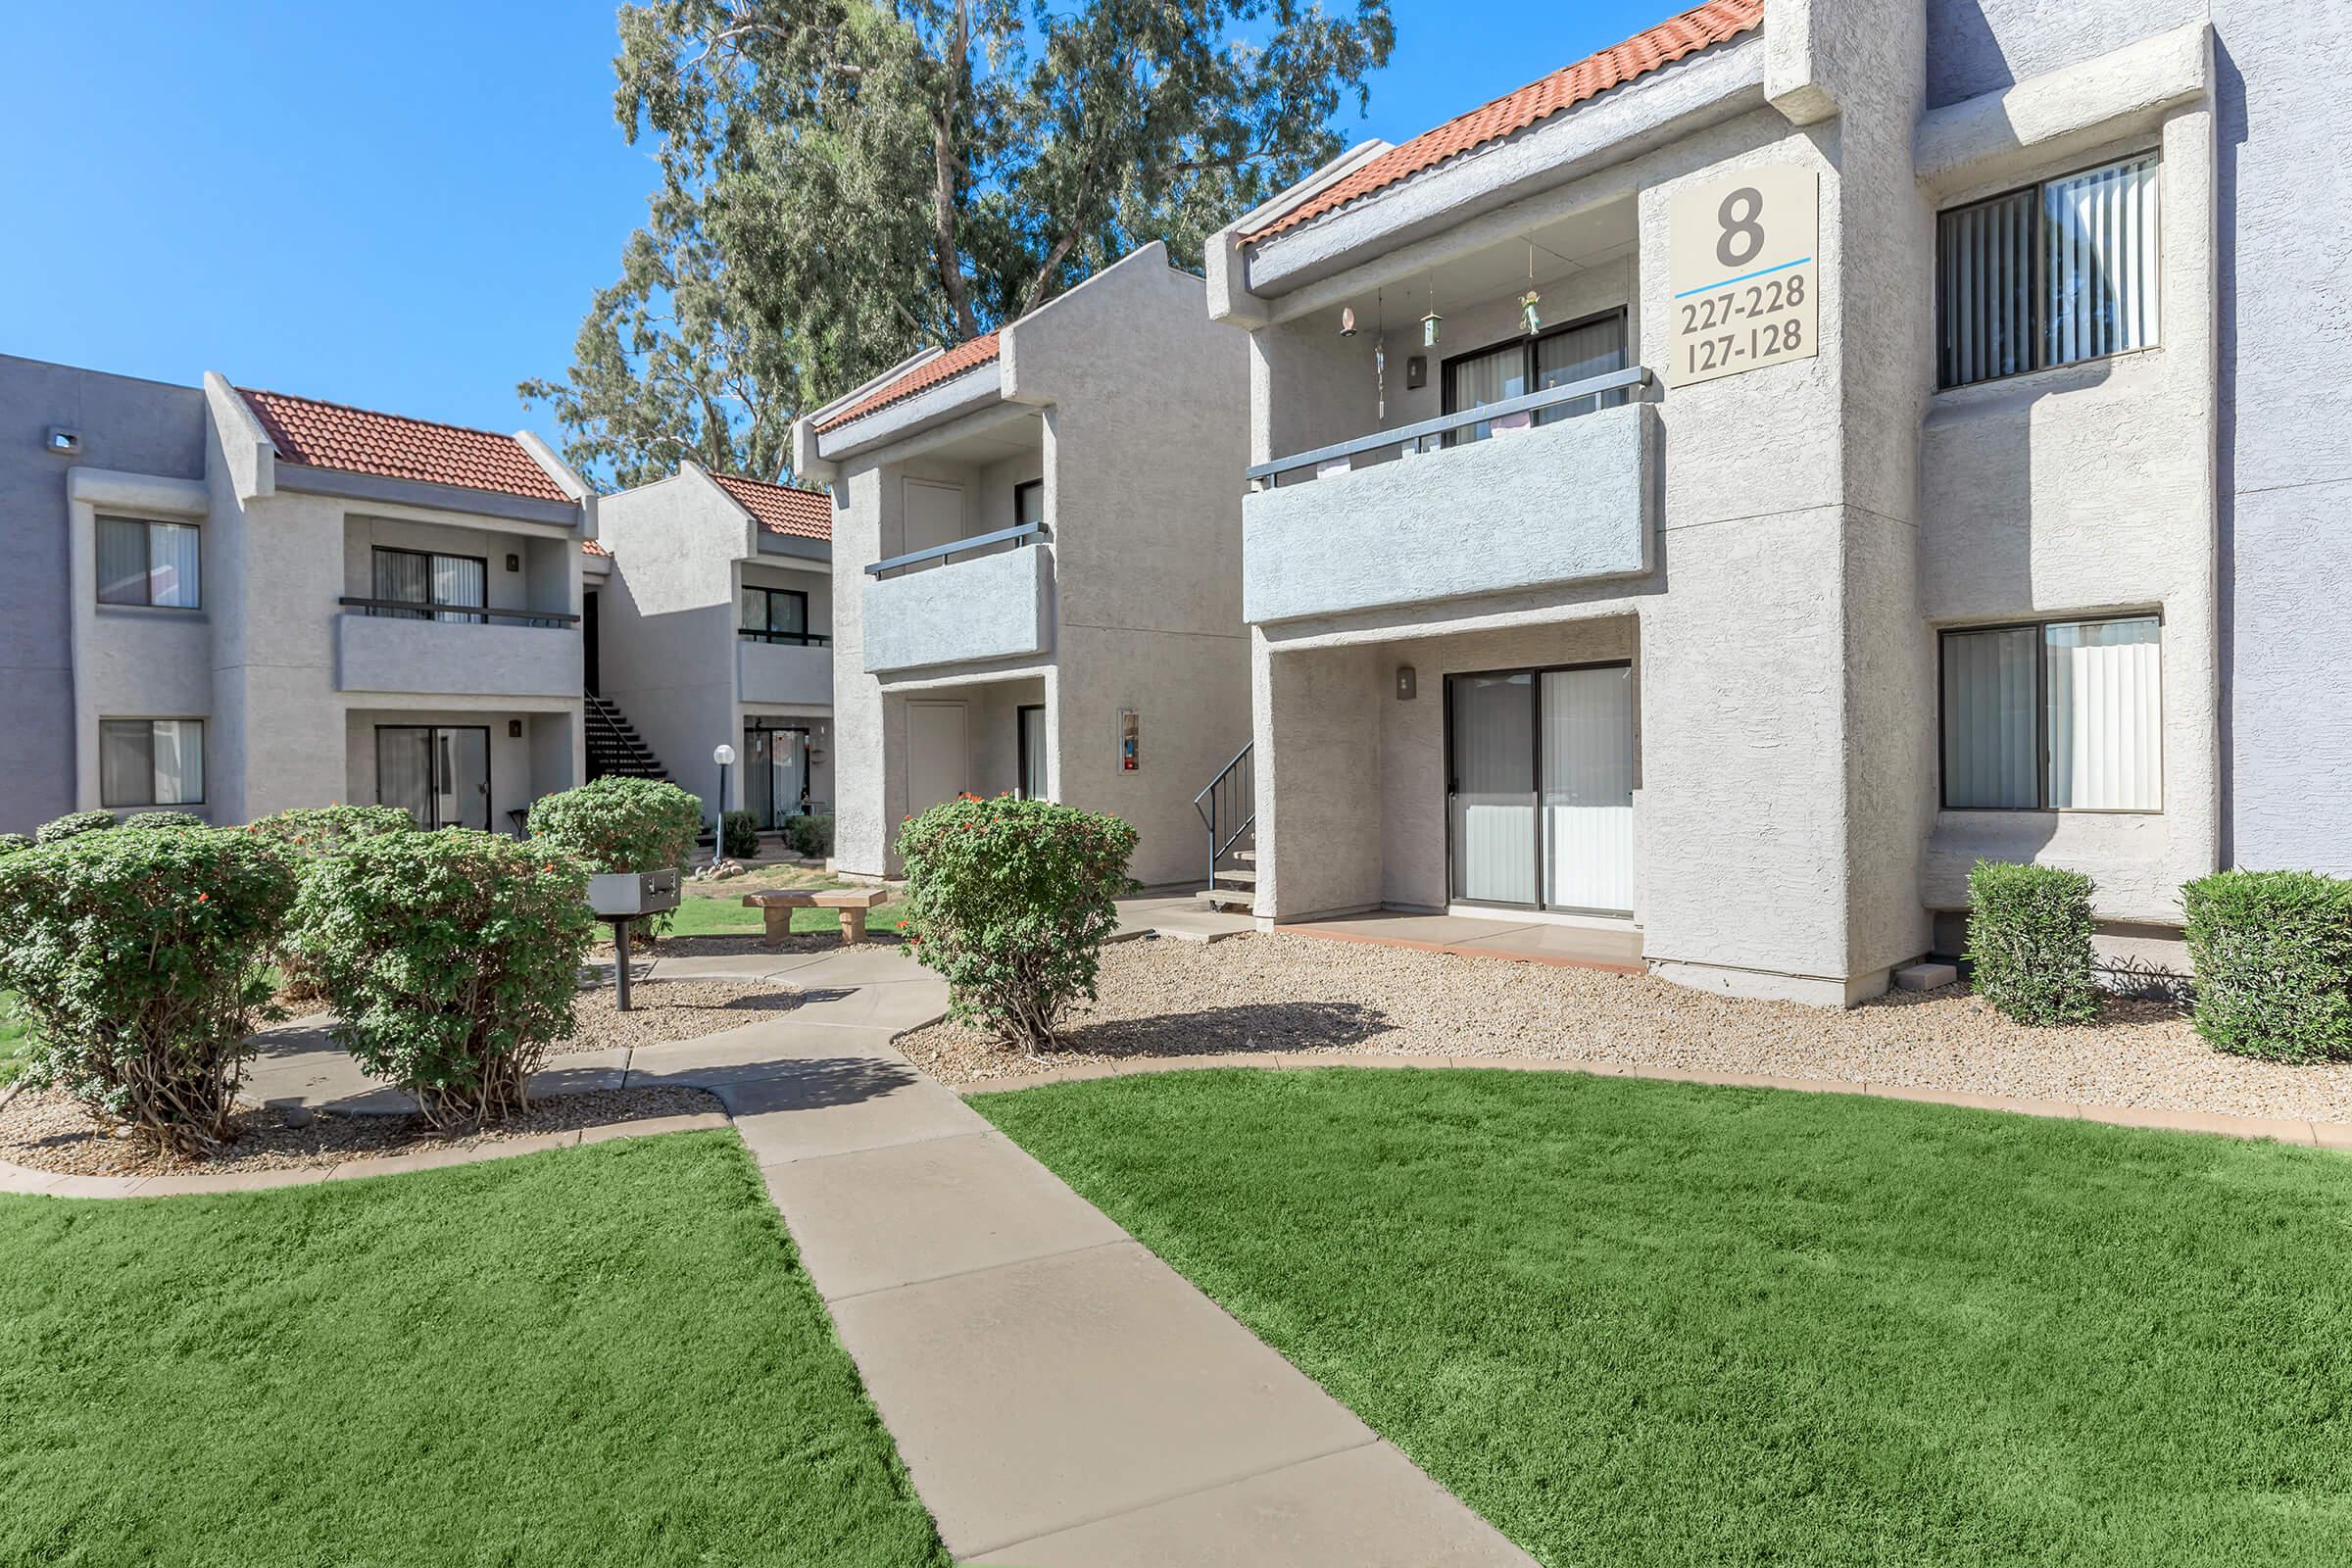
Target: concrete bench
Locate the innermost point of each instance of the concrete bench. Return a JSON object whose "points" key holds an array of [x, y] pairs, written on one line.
{"points": [[775, 909]]}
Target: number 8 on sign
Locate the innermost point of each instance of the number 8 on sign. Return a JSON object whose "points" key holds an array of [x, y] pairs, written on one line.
{"points": [[1744, 271]]}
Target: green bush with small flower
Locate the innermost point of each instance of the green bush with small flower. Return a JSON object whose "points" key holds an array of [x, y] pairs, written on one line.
{"points": [[141, 959], [310, 831], [1010, 901], [152, 820], [450, 959], [73, 825]]}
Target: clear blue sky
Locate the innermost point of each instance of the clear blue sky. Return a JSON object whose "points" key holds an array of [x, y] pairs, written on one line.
{"points": [[408, 205]]}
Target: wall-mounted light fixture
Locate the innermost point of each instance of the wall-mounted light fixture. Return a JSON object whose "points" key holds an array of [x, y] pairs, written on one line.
{"points": [[513, 562], [1408, 683], [513, 729], [1416, 372]]}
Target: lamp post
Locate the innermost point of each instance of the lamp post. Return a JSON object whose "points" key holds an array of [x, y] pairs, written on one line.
{"points": [[724, 756]]}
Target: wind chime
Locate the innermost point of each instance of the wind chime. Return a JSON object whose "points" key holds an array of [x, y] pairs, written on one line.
{"points": [[1527, 314]]}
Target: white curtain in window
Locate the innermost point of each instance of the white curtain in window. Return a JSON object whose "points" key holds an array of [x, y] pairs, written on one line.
{"points": [[1490, 377], [2106, 716], [403, 770], [178, 761], [1493, 807], [126, 762], [2103, 254], [172, 564], [1589, 788], [1988, 269], [459, 580], [122, 566], [1992, 720], [1578, 355]]}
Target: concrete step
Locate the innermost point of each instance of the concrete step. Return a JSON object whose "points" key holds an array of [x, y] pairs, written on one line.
{"points": [[1230, 898], [1926, 976], [1250, 856], [1244, 878]]}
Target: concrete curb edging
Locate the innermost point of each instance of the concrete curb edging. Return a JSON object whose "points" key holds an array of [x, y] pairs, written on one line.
{"points": [[2223, 1124]]}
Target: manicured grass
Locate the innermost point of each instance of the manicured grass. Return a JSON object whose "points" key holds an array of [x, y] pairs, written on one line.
{"points": [[1648, 1323], [723, 914], [604, 1354]]}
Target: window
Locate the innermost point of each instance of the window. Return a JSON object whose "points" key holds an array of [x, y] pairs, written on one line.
{"points": [[1028, 502], [775, 615], [2059, 271], [150, 762], [1567, 353], [141, 562], [430, 581], [2063, 716]]}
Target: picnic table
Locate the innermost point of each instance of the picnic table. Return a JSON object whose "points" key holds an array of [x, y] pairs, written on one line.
{"points": [[775, 907]]}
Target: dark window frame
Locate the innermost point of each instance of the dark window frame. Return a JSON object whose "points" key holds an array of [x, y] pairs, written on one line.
{"points": [[2038, 285], [427, 607], [489, 769], [1535, 774], [203, 764], [2042, 711], [1021, 718], [760, 724], [1023, 488], [1619, 313], [147, 579], [804, 638]]}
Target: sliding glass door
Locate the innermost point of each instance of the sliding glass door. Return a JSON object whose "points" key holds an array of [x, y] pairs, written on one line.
{"points": [[441, 772], [776, 780], [1540, 809]]}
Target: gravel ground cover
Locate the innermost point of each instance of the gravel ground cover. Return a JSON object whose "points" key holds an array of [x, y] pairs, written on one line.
{"points": [[673, 1009], [1300, 995], [49, 1130]]}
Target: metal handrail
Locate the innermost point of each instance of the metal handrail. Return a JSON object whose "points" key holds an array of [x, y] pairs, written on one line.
{"points": [[802, 639], [421, 610], [1238, 785], [1446, 424], [941, 552]]}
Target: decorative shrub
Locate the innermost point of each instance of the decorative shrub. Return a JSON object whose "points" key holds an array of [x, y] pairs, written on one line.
{"points": [[140, 959], [164, 819], [1011, 901], [739, 835], [11, 843], [73, 825], [315, 830], [2028, 938], [621, 824], [450, 959], [2272, 955], [811, 836]]}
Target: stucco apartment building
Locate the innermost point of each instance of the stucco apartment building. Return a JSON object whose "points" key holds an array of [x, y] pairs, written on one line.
{"points": [[228, 602], [709, 605], [1043, 528], [1719, 491]]}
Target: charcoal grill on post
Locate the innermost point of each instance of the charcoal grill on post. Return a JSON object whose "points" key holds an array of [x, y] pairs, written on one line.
{"points": [[621, 897]]}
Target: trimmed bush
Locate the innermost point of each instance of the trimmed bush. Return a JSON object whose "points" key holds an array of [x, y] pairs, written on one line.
{"points": [[11, 843], [1012, 901], [140, 959], [739, 837], [811, 836], [73, 825], [621, 824], [2029, 939], [310, 831], [164, 819], [2273, 956], [450, 959]]}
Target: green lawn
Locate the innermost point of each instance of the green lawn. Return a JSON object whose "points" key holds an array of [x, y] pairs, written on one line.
{"points": [[1648, 1323], [723, 914], [604, 1354]]}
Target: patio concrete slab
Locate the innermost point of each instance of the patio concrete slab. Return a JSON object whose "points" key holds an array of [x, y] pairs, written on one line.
{"points": [[837, 1105], [881, 1217], [1613, 948], [1367, 1507], [300, 1064], [1035, 1398], [1181, 917]]}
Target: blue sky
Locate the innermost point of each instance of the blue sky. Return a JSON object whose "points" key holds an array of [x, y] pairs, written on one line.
{"points": [[408, 205]]}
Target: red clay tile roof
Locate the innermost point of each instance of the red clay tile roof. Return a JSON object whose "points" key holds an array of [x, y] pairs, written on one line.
{"points": [[946, 366], [1702, 26], [328, 435], [782, 507], [589, 547]]}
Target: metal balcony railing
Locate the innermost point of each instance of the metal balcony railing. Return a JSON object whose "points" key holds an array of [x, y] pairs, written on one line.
{"points": [[1027, 533], [455, 615], [1424, 435]]}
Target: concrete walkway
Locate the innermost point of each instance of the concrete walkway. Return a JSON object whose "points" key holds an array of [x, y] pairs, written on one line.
{"points": [[1061, 1398]]}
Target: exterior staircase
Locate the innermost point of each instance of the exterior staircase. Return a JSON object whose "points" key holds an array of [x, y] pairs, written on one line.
{"points": [[1228, 809], [614, 744]]}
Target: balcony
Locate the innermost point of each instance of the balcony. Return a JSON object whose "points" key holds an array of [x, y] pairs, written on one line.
{"points": [[1563, 491], [778, 668], [929, 608], [386, 645]]}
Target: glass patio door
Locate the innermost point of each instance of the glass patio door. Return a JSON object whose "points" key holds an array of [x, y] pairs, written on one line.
{"points": [[440, 772], [1540, 809], [776, 780]]}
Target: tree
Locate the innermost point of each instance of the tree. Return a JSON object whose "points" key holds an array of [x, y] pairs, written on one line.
{"points": [[844, 181]]}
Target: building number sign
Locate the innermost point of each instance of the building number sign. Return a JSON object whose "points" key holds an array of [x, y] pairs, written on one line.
{"points": [[1746, 273]]}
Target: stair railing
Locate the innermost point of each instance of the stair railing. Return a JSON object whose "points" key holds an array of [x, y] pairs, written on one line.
{"points": [[1228, 808]]}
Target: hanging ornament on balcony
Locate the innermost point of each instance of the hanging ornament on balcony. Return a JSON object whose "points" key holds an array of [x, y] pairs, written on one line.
{"points": [[1529, 316], [1429, 322], [1379, 356], [1347, 321]]}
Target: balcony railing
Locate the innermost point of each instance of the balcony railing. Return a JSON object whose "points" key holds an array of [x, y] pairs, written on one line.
{"points": [[997, 605], [457, 615], [1596, 391], [1026, 534], [795, 639]]}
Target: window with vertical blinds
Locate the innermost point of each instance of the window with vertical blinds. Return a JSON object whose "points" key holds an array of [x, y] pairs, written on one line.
{"points": [[2064, 716], [150, 762], [142, 562], [2057, 273]]}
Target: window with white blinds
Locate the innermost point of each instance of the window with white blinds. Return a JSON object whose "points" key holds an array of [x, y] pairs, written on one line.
{"points": [[142, 562], [150, 762], [2066, 716], [2057, 273]]}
